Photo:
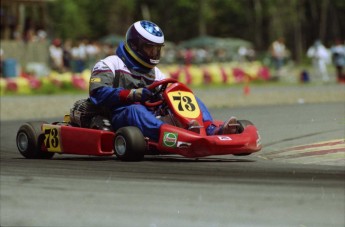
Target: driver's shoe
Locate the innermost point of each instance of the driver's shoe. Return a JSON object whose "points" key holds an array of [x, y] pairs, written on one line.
{"points": [[229, 127]]}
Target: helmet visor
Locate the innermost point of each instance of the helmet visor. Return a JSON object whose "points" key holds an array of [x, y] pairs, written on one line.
{"points": [[152, 51]]}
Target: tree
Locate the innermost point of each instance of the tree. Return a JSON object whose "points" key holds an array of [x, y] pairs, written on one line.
{"points": [[68, 21], [300, 22]]}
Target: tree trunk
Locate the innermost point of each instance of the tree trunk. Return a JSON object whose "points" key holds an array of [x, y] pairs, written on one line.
{"points": [[258, 23], [202, 20], [323, 19]]}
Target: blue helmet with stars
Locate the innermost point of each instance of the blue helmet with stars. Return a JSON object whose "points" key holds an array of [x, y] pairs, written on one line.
{"points": [[142, 48]]}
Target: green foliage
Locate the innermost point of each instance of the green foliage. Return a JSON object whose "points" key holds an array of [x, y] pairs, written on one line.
{"points": [[69, 20], [258, 21]]}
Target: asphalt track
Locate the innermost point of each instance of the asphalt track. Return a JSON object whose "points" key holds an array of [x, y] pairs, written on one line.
{"points": [[257, 190]]}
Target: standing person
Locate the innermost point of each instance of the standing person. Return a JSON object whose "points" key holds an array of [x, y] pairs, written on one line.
{"points": [[79, 56], [92, 52], [188, 56], [67, 54], [119, 82], [320, 58], [278, 55], [338, 57], [56, 56]]}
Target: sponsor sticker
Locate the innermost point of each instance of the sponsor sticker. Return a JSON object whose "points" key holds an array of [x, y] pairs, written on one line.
{"points": [[224, 138], [170, 139], [181, 144], [95, 80]]}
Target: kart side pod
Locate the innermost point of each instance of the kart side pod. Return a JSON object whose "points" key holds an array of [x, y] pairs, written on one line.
{"points": [[74, 140]]}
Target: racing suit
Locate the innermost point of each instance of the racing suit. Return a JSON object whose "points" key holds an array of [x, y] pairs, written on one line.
{"points": [[109, 84]]}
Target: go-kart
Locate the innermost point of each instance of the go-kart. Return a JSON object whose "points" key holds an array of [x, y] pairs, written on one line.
{"points": [[172, 101]]}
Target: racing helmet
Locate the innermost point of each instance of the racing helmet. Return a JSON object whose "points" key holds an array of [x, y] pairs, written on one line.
{"points": [[144, 40]]}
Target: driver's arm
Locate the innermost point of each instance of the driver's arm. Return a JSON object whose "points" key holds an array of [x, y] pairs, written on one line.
{"points": [[102, 92]]}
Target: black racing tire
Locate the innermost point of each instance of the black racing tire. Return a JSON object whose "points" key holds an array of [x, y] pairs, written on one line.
{"points": [[29, 141], [242, 154], [129, 144]]}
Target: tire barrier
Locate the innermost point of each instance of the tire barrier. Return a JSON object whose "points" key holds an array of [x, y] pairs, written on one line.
{"points": [[195, 75]]}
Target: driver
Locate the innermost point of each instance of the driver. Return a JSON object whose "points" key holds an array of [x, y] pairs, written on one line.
{"points": [[119, 82]]}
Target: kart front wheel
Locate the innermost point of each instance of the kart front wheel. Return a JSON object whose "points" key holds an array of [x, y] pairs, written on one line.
{"points": [[129, 144], [30, 139]]}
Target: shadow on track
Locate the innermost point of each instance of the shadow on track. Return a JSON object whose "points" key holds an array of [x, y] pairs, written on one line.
{"points": [[149, 158]]}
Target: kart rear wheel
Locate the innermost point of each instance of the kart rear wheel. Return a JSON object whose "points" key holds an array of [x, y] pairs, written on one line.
{"points": [[129, 144], [30, 139]]}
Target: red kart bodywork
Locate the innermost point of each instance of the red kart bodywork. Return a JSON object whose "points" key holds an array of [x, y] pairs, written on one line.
{"points": [[177, 140], [64, 138], [75, 140], [183, 142], [173, 140]]}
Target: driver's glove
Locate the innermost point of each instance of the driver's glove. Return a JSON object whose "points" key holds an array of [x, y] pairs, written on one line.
{"points": [[139, 95]]}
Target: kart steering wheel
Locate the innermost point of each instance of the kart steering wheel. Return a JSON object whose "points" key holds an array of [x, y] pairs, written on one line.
{"points": [[163, 83]]}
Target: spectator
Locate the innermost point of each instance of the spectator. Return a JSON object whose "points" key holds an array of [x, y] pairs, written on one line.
{"points": [[79, 57], [93, 53], [338, 59], [246, 54], [320, 58], [67, 54], [200, 55], [56, 56], [41, 35], [188, 56], [278, 55]]}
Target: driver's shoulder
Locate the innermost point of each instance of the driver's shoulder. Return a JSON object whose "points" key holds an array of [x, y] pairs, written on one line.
{"points": [[159, 75], [114, 63]]}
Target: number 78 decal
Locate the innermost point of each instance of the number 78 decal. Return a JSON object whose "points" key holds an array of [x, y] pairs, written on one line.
{"points": [[184, 103]]}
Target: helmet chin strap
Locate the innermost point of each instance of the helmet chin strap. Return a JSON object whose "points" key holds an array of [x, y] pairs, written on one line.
{"points": [[129, 61]]}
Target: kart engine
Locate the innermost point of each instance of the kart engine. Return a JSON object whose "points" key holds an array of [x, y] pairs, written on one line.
{"points": [[86, 115]]}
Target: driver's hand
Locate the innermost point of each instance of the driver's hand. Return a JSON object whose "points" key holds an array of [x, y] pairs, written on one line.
{"points": [[139, 95]]}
